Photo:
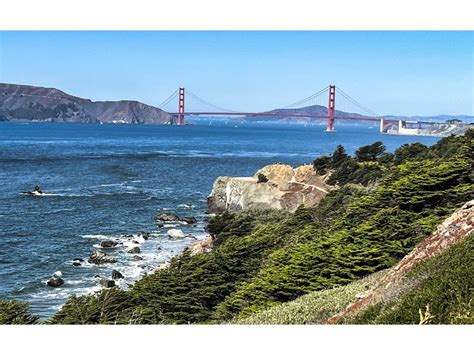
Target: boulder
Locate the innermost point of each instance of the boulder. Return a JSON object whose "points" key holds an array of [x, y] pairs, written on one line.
{"points": [[76, 263], [55, 282], [145, 235], [201, 247], [107, 283], [116, 275], [166, 217], [134, 250], [189, 220], [99, 257], [137, 257], [283, 187], [108, 243], [175, 234]]}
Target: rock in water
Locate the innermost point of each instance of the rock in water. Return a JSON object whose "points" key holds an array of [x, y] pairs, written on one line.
{"points": [[166, 217], [175, 234], [145, 235], [116, 275], [99, 257], [189, 220], [108, 243], [107, 283], [137, 257], [55, 282], [134, 250]]}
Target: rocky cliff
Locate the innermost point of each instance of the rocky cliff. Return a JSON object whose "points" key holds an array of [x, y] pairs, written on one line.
{"points": [[52, 105], [276, 186]]}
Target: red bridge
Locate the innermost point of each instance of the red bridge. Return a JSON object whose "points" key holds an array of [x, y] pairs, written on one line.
{"points": [[350, 109]]}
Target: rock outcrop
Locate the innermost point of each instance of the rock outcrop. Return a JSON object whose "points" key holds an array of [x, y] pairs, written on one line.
{"points": [[175, 234], [98, 257], [166, 217], [276, 186], [55, 281], [108, 243], [201, 247], [134, 250], [453, 230]]}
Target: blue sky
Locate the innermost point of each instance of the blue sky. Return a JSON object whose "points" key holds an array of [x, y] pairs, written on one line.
{"points": [[403, 73]]}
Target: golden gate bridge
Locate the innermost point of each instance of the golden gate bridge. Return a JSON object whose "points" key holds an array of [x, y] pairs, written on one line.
{"points": [[318, 106]]}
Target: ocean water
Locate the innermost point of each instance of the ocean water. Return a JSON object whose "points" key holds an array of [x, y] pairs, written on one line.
{"points": [[109, 181]]}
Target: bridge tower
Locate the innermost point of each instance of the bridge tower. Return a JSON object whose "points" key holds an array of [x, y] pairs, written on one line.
{"points": [[331, 108], [180, 117]]}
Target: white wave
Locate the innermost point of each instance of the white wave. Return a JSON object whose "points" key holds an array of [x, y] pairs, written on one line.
{"points": [[96, 236]]}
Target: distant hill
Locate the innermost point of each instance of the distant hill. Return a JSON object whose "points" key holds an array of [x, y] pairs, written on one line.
{"points": [[24, 102], [281, 115]]}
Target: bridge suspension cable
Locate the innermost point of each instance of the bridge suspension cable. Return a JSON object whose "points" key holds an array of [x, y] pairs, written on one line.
{"points": [[309, 98], [201, 100], [356, 103], [168, 100]]}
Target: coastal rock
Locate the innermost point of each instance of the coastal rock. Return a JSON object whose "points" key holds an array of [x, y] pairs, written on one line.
{"points": [[116, 275], [55, 282], [145, 235], [137, 257], [107, 283], [276, 186], [134, 250], [166, 217], [108, 243], [175, 234], [76, 263], [201, 247], [98, 257], [189, 220]]}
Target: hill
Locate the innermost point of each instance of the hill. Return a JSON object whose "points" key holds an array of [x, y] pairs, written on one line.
{"points": [[281, 115], [24, 102]]}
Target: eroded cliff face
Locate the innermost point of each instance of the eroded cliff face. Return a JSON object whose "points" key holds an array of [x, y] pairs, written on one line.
{"points": [[280, 186]]}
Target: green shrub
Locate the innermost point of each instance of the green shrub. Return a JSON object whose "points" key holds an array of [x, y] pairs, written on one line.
{"points": [[15, 312], [443, 288]]}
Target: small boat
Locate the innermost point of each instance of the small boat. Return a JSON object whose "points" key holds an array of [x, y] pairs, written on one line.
{"points": [[32, 193], [36, 192]]}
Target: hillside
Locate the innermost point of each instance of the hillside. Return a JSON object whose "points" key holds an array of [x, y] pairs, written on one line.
{"points": [[433, 284], [24, 102]]}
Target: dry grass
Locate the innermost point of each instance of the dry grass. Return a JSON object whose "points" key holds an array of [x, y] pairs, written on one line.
{"points": [[315, 307]]}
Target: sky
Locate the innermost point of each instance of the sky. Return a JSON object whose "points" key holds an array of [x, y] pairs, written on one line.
{"points": [[399, 73]]}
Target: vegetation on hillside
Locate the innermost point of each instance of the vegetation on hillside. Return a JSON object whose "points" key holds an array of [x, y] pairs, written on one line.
{"points": [[441, 292], [15, 312], [385, 204], [315, 307]]}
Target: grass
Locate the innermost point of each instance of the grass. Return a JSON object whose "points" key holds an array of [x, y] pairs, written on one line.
{"points": [[315, 307]]}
